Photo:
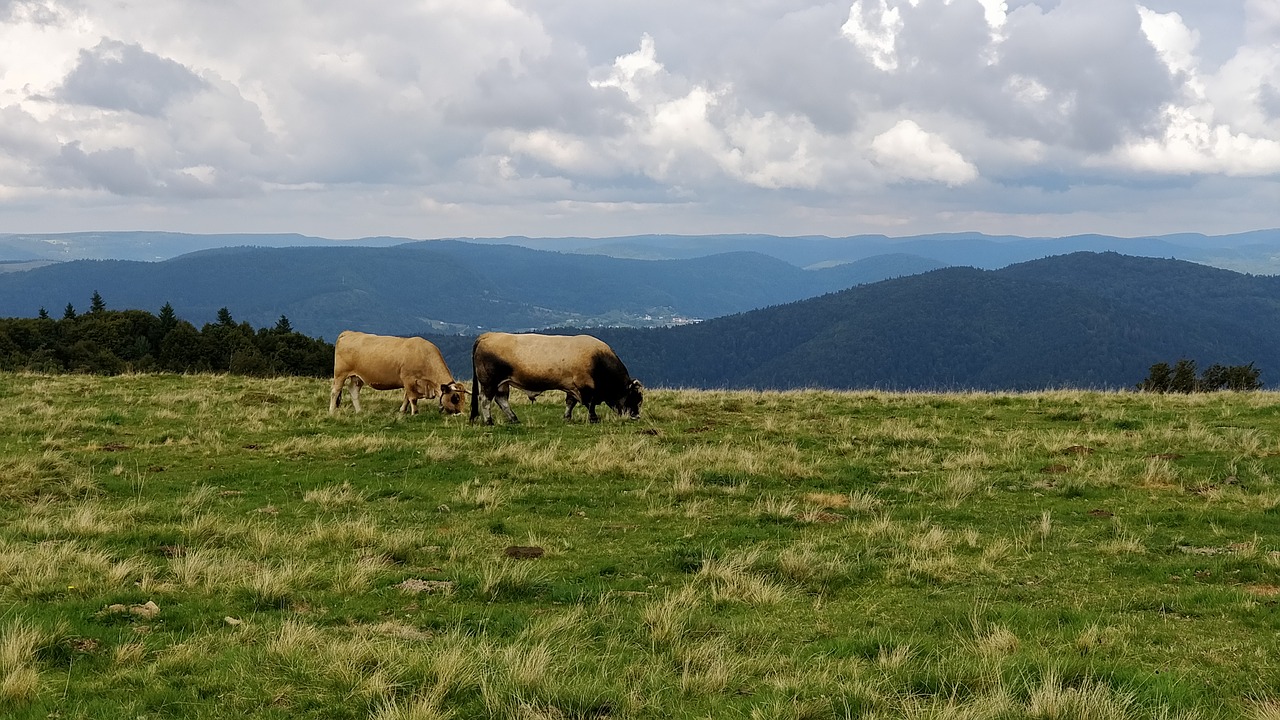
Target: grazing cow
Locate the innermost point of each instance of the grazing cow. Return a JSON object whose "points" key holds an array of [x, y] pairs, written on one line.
{"points": [[390, 363], [585, 368]]}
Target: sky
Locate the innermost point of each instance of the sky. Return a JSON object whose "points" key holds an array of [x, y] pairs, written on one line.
{"points": [[484, 118]]}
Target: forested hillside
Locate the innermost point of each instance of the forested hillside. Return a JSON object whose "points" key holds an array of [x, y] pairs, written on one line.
{"points": [[1082, 320]]}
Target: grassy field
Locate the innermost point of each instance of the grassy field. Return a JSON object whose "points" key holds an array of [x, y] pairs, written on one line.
{"points": [[213, 547]]}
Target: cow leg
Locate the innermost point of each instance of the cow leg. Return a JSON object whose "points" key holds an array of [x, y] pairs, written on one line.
{"points": [[356, 384], [335, 395], [588, 398], [503, 398], [570, 402], [409, 404], [486, 395]]}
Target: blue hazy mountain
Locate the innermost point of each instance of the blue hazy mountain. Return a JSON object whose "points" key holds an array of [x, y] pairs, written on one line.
{"points": [[1256, 252]]}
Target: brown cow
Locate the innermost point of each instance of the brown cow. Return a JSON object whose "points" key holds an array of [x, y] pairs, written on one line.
{"points": [[586, 369], [390, 363]]}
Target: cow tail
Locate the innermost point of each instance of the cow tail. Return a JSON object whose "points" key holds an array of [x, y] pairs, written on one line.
{"points": [[475, 395]]}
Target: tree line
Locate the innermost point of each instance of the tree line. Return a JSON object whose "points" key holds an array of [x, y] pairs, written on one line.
{"points": [[109, 342], [1181, 377]]}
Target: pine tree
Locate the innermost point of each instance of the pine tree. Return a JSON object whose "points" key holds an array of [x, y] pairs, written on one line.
{"points": [[69, 313], [283, 326], [168, 318], [96, 304], [1184, 377], [44, 314], [224, 318]]}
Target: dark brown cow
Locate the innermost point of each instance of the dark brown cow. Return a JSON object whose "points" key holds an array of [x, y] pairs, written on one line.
{"points": [[391, 363], [585, 368]]}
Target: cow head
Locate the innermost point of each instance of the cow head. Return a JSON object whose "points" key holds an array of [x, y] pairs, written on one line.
{"points": [[629, 406], [452, 397]]}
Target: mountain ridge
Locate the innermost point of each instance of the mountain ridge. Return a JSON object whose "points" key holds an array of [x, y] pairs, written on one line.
{"points": [[1254, 251]]}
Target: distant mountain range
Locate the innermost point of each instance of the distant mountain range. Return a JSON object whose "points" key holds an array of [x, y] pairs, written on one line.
{"points": [[1256, 252]]}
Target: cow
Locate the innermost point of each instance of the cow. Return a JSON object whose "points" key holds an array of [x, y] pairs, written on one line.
{"points": [[389, 363], [584, 367]]}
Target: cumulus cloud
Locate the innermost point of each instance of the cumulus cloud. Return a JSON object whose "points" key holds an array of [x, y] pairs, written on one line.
{"points": [[1173, 40], [674, 131], [910, 153], [873, 27], [1217, 123], [506, 116]]}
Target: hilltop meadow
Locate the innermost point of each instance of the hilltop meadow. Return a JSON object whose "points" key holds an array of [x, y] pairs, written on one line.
{"points": [[213, 546]]}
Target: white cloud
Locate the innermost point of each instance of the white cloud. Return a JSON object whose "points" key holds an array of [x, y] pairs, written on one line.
{"points": [[907, 152], [629, 70], [1172, 39], [996, 13], [1191, 145], [1217, 126], [681, 134], [776, 152], [557, 149], [874, 30]]}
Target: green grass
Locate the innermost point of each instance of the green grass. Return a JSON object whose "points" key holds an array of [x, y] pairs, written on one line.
{"points": [[733, 554]]}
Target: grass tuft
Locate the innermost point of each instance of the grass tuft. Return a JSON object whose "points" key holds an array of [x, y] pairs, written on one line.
{"points": [[1089, 700], [333, 498], [19, 678]]}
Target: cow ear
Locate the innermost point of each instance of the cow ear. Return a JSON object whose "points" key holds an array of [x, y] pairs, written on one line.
{"points": [[636, 385], [445, 388]]}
